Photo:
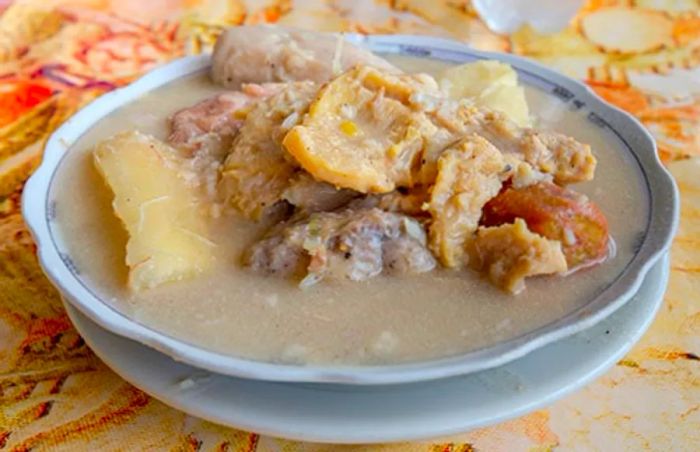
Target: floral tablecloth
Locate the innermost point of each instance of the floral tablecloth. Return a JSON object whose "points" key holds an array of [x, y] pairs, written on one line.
{"points": [[55, 55]]}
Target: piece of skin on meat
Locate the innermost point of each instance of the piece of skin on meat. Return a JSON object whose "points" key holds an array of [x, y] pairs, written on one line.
{"points": [[257, 171], [511, 252], [361, 131], [566, 159], [354, 244], [267, 53], [468, 175]]}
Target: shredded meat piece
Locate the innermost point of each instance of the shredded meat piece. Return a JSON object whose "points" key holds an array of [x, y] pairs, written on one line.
{"points": [[264, 53], [566, 159], [469, 174], [257, 171], [354, 244], [510, 253]]}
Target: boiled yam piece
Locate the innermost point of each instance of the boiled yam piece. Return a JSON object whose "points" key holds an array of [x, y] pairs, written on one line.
{"points": [[159, 209]]}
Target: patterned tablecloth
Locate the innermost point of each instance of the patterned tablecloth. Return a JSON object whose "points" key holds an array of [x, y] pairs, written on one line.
{"points": [[55, 55]]}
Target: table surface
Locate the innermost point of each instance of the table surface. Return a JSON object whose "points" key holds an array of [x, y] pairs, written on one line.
{"points": [[55, 55]]}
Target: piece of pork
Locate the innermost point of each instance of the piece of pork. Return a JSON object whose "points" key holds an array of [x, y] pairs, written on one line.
{"points": [[216, 115], [511, 252], [354, 244], [469, 174], [564, 158], [268, 53], [202, 133]]}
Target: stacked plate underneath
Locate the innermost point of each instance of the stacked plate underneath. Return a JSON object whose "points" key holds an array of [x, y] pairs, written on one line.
{"points": [[382, 413]]}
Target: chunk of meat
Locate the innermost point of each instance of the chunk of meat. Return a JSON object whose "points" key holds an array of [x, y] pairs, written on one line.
{"points": [[558, 214], [267, 53], [510, 253], [310, 195], [469, 174], [217, 114], [361, 132], [202, 134], [257, 171], [566, 159], [354, 244], [372, 132]]}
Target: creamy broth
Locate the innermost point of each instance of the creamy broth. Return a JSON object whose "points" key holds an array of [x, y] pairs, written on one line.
{"points": [[382, 320]]}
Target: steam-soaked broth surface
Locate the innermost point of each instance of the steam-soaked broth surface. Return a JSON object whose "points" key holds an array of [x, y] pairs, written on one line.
{"points": [[387, 319]]}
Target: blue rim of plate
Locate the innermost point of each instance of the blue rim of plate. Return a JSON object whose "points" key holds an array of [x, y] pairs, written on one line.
{"points": [[39, 213]]}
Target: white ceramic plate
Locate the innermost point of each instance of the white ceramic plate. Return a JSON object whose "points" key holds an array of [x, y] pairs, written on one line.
{"points": [[362, 414], [661, 223]]}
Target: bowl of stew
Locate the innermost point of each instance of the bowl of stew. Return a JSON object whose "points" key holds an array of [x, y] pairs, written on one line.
{"points": [[303, 207]]}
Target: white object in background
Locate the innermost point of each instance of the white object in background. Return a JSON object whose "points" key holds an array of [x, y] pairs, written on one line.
{"points": [[545, 16]]}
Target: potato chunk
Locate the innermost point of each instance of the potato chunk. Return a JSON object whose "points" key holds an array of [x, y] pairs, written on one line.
{"points": [[510, 253], [490, 84], [558, 214], [361, 134], [469, 174], [167, 234]]}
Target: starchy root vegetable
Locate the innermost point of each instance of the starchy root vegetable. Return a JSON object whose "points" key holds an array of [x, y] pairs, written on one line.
{"points": [[556, 213], [490, 84], [167, 233]]}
